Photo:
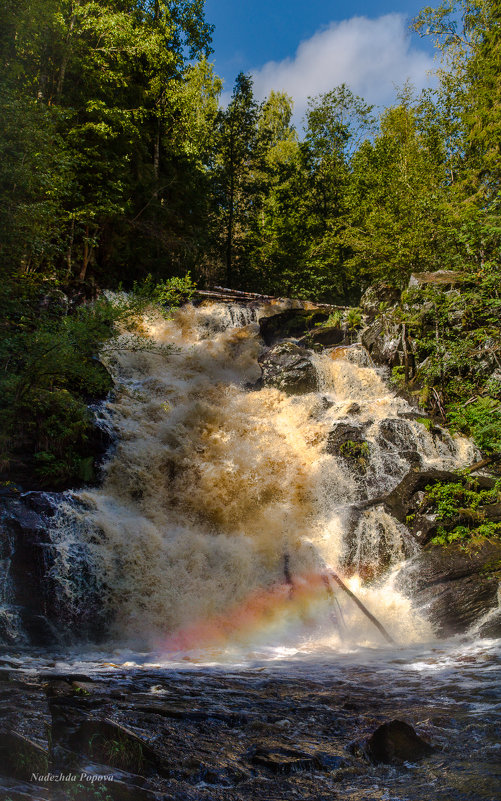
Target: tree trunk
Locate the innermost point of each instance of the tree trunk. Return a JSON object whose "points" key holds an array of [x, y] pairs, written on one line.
{"points": [[86, 255], [64, 62], [69, 252], [156, 154], [229, 241]]}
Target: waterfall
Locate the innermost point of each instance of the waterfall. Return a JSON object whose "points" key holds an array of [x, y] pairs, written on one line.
{"points": [[212, 484]]}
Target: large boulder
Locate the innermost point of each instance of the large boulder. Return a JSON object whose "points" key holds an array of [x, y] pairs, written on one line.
{"points": [[347, 440], [341, 433], [288, 368], [396, 742], [455, 586], [290, 323]]}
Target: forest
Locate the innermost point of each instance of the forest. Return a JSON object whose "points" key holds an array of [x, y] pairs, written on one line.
{"points": [[121, 169]]}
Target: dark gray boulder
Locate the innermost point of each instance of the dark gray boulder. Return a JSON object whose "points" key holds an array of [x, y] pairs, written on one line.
{"points": [[396, 742], [341, 433], [288, 368], [347, 440]]}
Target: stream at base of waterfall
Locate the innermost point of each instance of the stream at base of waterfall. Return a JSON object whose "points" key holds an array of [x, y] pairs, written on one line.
{"points": [[242, 669]]}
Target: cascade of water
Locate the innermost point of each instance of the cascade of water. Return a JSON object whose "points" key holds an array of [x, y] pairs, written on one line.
{"points": [[211, 484]]}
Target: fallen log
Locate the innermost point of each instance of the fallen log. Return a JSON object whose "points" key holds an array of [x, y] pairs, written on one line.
{"points": [[361, 606], [495, 457], [242, 294], [336, 613], [227, 295]]}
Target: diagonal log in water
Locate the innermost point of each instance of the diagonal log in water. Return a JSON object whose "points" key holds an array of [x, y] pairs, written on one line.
{"points": [[361, 606]]}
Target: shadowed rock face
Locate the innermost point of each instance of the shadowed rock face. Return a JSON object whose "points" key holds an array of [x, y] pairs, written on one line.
{"points": [[29, 589], [33, 609], [326, 336], [290, 323], [454, 585]]}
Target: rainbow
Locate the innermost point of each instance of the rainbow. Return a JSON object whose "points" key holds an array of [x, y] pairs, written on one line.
{"points": [[265, 611]]}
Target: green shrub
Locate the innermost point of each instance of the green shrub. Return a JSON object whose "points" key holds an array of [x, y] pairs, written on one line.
{"points": [[353, 318], [480, 420], [460, 507], [335, 319]]}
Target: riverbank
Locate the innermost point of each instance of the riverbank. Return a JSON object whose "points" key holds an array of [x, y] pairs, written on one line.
{"points": [[269, 727]]}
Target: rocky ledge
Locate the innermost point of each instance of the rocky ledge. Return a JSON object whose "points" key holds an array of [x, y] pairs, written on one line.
{"points": [[148, 734]]}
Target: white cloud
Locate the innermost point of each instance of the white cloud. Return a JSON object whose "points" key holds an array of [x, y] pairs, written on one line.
{"points": [[370, 55]]}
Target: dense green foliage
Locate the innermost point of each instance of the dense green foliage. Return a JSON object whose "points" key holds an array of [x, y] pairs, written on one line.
{"points": [[119, 168], [118, 162], [462, 510], [50, 372], [454, 351]]}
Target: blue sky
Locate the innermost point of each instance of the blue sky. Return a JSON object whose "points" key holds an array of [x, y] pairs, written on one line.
{"points": [[308, 46]]}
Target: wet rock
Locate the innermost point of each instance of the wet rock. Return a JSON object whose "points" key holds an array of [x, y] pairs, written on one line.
{"points": [[342, 433], [21, 756], [58, 687], [320, 407], [32, 595], [396, 432], [283, 760], [397, 435], [330, 762], [347, 440], [288, 368], [290, 323], [43, 503], [29, 586], [103, 740], [491, 626], [396, 742], [383, 339], [455, 586]]}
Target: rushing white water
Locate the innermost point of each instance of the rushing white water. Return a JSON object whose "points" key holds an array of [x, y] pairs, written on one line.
{"points": [[212, 485]]}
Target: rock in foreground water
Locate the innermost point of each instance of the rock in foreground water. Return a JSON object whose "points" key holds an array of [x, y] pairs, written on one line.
{"points": [[396, 742]]}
